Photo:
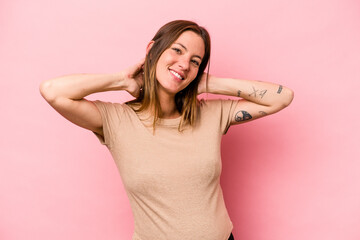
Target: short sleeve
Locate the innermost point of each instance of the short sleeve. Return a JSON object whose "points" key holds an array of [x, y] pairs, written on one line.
{"points": [[222, 110], [110, 115], [227, 112]]}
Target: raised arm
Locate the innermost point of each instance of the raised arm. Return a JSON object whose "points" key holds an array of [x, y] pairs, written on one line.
{"points": [[66, 94], [259, 99]]}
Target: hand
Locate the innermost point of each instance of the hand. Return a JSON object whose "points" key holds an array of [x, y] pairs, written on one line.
{"points": [[202, 83], [134, 78]]}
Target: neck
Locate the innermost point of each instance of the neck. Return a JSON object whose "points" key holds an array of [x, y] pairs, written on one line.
{"points": [[168, 106]]}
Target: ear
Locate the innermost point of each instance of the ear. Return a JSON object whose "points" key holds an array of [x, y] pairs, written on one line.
{"points": [[149, 46]]}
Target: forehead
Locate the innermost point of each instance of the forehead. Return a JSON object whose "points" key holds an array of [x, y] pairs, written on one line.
{"points": [[193, 43]]}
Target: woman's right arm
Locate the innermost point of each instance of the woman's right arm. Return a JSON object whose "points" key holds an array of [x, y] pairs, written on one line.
{"points": [[66, 94]]}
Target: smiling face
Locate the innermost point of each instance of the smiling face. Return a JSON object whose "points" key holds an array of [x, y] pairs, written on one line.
{"points": [[178, 65]]}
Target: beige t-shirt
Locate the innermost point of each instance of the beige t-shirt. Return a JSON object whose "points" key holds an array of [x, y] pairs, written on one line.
{"points": [[172, 178]]}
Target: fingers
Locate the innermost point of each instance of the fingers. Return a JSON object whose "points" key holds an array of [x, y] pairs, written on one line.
{"points": [[138, 68], [141, 63]]}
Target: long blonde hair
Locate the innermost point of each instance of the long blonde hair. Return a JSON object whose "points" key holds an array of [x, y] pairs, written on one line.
{"points": [[186, 100]]}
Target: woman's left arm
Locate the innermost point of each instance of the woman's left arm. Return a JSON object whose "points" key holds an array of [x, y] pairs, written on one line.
{"points": [[259, 99]]}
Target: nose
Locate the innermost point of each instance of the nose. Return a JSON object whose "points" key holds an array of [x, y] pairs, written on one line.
{"points": [[184, 63]]}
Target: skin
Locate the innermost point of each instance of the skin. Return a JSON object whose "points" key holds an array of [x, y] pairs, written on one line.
{"points": [[184, 57], [66, 94], [257, 98]]}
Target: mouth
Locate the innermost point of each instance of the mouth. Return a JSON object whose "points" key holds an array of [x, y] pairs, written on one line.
{"points": [[176, 74]]}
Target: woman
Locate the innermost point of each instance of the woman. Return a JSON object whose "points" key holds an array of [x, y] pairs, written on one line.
{"points": [[166, 143]]}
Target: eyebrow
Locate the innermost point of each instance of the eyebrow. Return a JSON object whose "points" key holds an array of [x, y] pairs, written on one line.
{"points": [[186, 50]]}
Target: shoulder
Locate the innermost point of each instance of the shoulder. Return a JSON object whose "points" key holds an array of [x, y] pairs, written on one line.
{"points": [[217, 112], [112, 108], [117, 105]]}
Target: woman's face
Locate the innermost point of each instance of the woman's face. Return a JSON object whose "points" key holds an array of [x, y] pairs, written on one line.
{"points": [[178, 65]]}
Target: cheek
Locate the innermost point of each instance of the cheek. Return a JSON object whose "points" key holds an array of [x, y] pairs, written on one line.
{"points": [[167, 57], [163, 63], [194, 73]]}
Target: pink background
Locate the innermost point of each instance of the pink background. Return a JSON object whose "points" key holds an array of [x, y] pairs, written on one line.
{"points": [[293, 175]]}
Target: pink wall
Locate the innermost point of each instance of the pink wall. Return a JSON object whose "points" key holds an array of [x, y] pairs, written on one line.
{"points": [[293, 175]]}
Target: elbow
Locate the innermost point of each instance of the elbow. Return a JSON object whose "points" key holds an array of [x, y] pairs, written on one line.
{"points": [[46, 91], [289, 96]]}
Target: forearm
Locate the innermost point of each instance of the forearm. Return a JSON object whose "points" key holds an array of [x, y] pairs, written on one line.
{"points": [[77, 86], [263, 93]]}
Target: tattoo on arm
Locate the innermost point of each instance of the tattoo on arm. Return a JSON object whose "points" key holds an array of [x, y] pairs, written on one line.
{"points": [[242, 116], [238, 93], [254, 92], [262, 92], [263, 113], [280, 89]]}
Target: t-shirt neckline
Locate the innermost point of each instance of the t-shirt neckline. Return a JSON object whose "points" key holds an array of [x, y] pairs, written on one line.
{"points": [[161, 121]]}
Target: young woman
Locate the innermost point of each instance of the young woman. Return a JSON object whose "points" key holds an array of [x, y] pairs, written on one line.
{"points": [[166, 143]]}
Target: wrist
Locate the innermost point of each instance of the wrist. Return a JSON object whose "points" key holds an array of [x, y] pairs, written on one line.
{"points": [[205, 82], [220, 86], [211, 84], [120, 81]]}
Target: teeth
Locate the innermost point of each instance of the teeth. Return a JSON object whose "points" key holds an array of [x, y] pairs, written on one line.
{"points": [[176, 74]]}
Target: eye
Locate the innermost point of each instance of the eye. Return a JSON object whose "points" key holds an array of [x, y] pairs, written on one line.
{"points": [[195, 62], [177, 50]]}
